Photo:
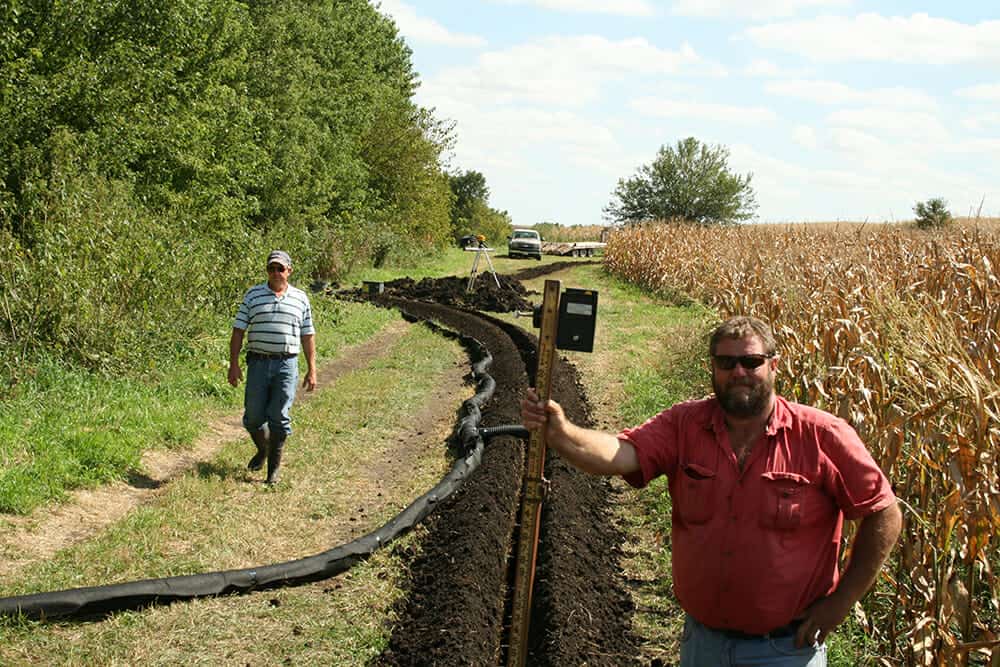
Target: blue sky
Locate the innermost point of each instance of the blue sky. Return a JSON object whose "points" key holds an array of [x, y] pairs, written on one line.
{"points": [[841, 109]]}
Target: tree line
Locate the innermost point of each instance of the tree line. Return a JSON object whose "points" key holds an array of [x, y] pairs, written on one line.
{"points": [[152, 151]]}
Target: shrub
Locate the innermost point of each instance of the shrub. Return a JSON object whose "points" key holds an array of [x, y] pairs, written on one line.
{"points": [[690, 181], [932, 214]]}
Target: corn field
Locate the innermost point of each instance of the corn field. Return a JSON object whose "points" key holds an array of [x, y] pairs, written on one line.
{"points": [[897, 332]]}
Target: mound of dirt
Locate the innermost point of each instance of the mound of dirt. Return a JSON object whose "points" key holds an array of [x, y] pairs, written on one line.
{"points": [[545, 269], [453, 291]]}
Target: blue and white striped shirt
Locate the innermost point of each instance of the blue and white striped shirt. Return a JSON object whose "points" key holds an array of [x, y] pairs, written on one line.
{"points": [[276, 324]]}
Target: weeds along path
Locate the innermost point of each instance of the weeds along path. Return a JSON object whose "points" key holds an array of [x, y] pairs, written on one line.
{"points": [[41, 534], [457, 589]]}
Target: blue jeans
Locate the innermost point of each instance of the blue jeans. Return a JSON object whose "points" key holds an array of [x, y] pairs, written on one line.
{"points": [[269, 393], [704, 647]]}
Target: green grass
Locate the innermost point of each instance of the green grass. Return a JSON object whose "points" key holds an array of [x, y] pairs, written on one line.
{"points": [[341, 623], [68, 428], [335, 431], [64, 428], [336, 486]]}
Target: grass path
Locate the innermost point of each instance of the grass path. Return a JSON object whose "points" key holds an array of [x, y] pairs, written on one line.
{"points": [[39, 535], [364, 446]]}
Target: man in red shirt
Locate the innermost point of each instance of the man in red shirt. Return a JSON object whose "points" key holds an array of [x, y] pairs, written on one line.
{"points": [[760, 489]]}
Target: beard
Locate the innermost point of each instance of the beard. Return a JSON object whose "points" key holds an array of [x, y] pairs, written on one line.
{"points": [[744, 399]]}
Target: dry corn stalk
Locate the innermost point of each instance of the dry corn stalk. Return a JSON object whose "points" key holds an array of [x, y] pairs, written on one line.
{"points": [[896, 332]]}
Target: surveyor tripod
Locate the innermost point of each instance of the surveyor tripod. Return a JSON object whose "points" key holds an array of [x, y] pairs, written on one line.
{"points": [[481, 251]]}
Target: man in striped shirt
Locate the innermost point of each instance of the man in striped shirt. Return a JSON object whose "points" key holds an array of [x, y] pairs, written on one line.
{"points": [[277, 321]]}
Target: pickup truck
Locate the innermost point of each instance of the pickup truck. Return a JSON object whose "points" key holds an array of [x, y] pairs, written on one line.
{"points": [[524, 243]]}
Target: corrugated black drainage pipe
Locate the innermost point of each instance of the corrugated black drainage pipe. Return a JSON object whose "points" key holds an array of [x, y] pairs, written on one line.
{"points": [[488, 432]]}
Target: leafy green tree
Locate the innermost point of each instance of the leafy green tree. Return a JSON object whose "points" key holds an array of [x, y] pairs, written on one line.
{"points": [[138, 137], [492, 223], [690, 181], [353, 160], [471, 212], [932, 214], [147, 92], [469, 192], [402, 151]]}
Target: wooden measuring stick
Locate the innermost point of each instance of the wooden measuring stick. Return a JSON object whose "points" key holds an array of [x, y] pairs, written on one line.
{"points": [[531, 499]]}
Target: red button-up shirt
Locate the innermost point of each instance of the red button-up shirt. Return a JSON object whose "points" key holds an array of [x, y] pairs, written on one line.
{"points": [[752, 549]]}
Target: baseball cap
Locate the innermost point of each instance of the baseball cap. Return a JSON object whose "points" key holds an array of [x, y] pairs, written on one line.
{"points": [[279, 257]]}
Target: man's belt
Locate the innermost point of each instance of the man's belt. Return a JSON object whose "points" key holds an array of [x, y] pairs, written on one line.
{"points": [[788, 630], [274, 355]]}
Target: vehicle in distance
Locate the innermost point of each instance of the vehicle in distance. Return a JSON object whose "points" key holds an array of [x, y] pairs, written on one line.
{"points": [[573, 248], [524, 243]]}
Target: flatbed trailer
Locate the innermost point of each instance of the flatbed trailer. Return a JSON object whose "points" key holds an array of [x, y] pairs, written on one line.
{"points": [[577, 249]]}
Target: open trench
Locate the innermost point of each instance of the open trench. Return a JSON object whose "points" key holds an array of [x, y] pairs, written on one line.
{"points": [[458, 588]]}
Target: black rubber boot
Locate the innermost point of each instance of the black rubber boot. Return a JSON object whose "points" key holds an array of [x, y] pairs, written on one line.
{"points": [[274, 457], [259, 438]]}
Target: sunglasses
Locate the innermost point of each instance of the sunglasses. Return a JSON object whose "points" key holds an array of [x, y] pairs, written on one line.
{"points": [[748, 361], [275, 268]]}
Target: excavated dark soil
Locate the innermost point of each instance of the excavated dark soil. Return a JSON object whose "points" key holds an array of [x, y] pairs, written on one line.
{"points": [[508, 297], [458, 587]]}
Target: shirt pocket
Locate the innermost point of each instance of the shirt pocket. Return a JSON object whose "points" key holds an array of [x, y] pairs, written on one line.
{"points": [[696, 493], [785, 500]]}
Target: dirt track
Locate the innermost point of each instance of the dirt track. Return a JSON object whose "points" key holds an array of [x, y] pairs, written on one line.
{"points": [[454, 612]]}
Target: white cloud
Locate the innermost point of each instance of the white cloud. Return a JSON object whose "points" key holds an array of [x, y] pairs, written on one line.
{"points": [[977, 122], [793, 189], [864, 179], [861, 173], [987, 147], [618, 8], [989, 92], [564, 71], [667, 108], [918, 39], [540, 165], [420, 29], [762, 67], [505, 137], [554, 122], [916, 126], [895, 162], [766, 69], [859, 144], [805, 136], [874, 159], [835, 93], [755, 9]]}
